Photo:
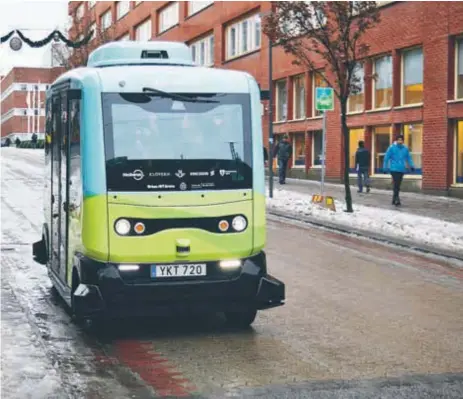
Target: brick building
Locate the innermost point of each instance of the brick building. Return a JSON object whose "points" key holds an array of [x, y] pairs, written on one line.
{"points": [[416, 56], [17, 119]]}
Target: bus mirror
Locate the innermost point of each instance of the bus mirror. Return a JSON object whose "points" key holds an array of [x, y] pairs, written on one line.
{"points": [[178, 106]]}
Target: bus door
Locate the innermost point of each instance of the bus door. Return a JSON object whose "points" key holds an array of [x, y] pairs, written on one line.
{"points": [[58, 186]]}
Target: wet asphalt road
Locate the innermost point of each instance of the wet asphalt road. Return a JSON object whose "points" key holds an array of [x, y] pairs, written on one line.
{"points": [[361, 321]]}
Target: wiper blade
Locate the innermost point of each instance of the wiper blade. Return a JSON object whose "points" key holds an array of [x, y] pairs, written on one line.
{"points": [[177, 97], [116, 161]]}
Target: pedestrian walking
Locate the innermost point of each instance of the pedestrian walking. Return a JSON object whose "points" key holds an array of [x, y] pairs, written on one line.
{"points": [[362, 164], [395, 162], [265, 155], [34, 140], [283, 150], [17, 142]]}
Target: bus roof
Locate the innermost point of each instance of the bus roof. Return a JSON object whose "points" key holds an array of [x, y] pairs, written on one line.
{"points": [[167, 66]]}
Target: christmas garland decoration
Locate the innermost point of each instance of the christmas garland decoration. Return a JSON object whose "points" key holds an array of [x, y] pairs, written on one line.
{"points": [[6, 37], [53, 35]]}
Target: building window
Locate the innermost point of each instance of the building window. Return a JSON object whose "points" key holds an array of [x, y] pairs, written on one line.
{"points": [[459, 69], [168, 17], [381, 142], [196, 6], [299, 97], [413, 139], [318, 81], [202, 51], [125, 37], [459, 153], [91, 4], [356, 100], [92, 29], [122, 8], [281, 101], [382, 84], [80, 11], [412, 76], [106, 20], [23, 87], [317, 148], [143, 31], [298, 149], [355, 136], [243, 37]]}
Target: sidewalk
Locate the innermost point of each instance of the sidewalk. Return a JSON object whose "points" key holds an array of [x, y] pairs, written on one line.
{"points": [[429, 223]]}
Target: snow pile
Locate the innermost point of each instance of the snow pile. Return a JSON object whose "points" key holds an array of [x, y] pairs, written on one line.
{"points": [[391, 223]]}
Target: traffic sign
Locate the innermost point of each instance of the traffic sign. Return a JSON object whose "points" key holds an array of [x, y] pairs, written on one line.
{"points": [[324, 99]]}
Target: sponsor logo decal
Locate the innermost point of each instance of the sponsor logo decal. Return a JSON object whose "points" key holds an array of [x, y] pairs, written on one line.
{"points": [[137, 174]]}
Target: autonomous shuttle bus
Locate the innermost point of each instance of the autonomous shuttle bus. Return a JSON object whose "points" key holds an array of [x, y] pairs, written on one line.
{"points": [[155, 199]]}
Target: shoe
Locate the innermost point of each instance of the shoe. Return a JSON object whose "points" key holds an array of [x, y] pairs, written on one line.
{"points": [[368, 189]]}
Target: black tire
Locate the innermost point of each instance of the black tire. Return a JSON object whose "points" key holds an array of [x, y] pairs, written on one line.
{"points": [[241, 319]]}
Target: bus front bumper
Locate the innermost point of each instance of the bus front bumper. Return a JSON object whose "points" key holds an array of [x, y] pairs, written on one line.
{"points": [[104, 289]]}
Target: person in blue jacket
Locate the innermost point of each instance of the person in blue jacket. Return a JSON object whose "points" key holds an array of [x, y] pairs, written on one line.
{"points": [[395, 160]]}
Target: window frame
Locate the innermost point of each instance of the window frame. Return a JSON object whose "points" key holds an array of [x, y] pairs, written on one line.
{"points": [[373, 149], [314, 111], [209, 41], [277, 115], [166, 9], [458, 43], [362, 64], [294, 80], [402, 132], [293, 143], [402, 75], [206, 3], [373, 99], [455, 154], [120, 16], [313, 166], [252, 22], [354, 172], [102, 17], [143, 23]]}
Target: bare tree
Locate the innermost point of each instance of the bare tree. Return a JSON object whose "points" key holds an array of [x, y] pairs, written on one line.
{"points": [[330, 33], [71, 58]]}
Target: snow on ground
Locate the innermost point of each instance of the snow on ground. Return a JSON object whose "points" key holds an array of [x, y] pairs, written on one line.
{"points": [[392, 223]]}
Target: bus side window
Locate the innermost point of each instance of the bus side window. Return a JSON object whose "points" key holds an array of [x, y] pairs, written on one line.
{"points": [[74, 153], [48, 125]]}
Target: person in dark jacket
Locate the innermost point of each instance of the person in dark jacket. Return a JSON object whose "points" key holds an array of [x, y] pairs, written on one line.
{"points": [[395, 161], [362, 164], [34, 140], [265, 155], [17, 142], [283, 151]]}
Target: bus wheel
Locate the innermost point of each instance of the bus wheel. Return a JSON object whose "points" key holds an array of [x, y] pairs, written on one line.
{"points": [[241, 319]]}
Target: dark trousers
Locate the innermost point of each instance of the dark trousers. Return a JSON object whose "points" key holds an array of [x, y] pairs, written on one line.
{"points": [[397, 178], [282, 165]]}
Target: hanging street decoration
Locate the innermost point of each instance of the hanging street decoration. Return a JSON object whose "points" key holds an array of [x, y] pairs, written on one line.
{"points": [[56, 35]]}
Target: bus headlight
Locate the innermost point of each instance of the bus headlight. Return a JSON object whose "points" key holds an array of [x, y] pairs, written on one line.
{"points": [[239, 223], [122, 227]]}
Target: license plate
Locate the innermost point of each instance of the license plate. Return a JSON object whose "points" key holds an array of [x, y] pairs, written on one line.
{"points": [[178, 270]]}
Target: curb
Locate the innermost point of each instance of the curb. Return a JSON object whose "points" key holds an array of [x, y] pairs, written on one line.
{"points": [[339, 228]]}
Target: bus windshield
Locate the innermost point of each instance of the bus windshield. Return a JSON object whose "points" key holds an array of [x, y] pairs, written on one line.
{"points": [[177, 142]]}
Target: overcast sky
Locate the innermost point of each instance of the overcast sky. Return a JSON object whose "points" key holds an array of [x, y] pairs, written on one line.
{"points": [[40, 16]]}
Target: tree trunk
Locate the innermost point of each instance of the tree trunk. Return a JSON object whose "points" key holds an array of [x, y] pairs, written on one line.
{"points": [[346, 135]]}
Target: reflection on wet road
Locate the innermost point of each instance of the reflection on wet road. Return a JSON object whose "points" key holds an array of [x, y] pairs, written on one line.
{"points": [[361, 320]]}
